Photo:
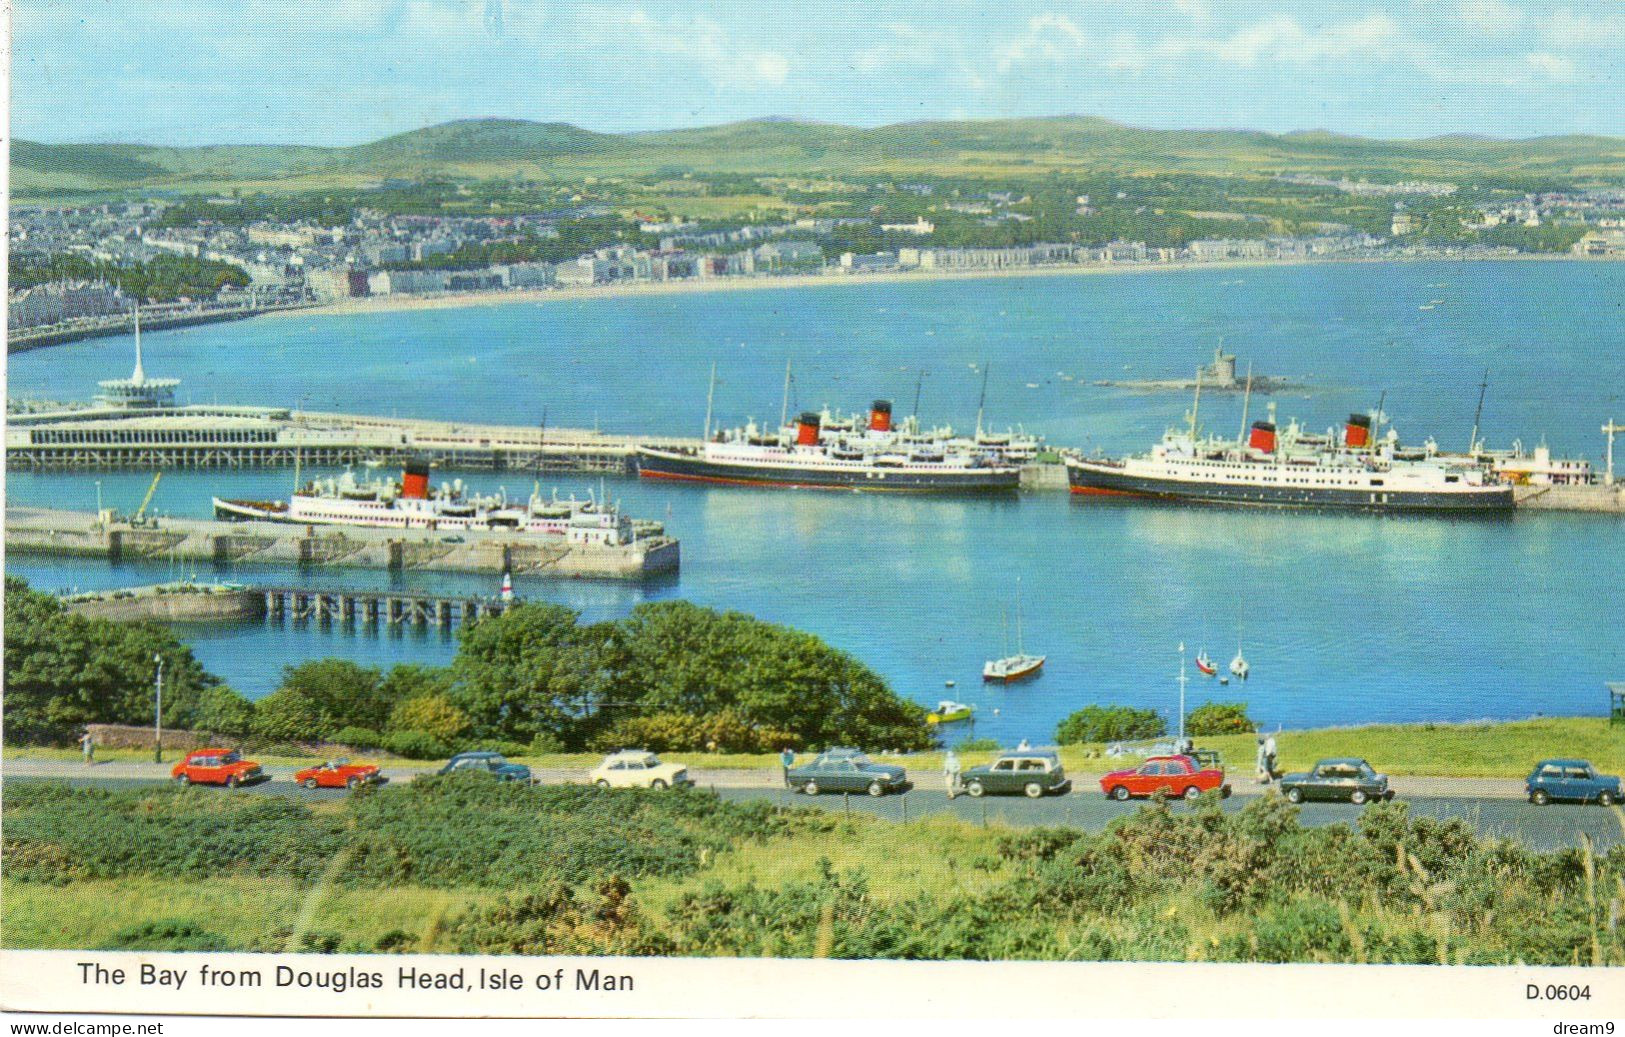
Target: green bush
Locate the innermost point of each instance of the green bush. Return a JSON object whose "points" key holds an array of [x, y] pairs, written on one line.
{"points": [[357, 737], [167, 935], [1219, 718], [431, 714], [543, 744], [415, 745], [1109, 724], [978, 745], [726, 731], [220, 710]]}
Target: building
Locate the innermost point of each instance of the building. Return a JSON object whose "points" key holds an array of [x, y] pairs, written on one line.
{"points": [[1402, 223], [63, 300], [920, 227], [406, 282], [1601, 244]]}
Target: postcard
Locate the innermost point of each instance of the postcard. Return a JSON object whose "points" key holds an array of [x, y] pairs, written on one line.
{"points": [[677, 509]]}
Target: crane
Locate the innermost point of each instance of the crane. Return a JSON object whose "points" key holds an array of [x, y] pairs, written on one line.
{"points": [[141, 512]]}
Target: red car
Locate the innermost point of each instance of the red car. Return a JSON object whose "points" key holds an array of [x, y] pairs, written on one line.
{"points": [[1173, 775], [339, 774], [216, 767]]}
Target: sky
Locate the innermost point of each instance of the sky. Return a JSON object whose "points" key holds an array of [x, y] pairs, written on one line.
{"points": [[339, 72]]}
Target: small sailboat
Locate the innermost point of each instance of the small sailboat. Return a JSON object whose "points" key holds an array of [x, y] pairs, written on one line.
{"points": [[949, 712], [1205, 665], [1013, 667], [1238, 665]]}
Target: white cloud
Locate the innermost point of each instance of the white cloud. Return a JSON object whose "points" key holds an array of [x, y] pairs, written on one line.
{"points": [[1050, 38], [1494, 17], [719, 57], [1554, 67], [1567, 29], [905, 46], [1198, 11]]}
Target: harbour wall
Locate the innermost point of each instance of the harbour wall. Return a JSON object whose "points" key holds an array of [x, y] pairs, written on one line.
{"points": [[1592, 497], [39, 531], [186, 603]]}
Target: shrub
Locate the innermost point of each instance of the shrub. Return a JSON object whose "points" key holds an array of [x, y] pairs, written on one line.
{"points": [[220, 710], [167, 935], [415, 745], [1109, 724], [726, 731], [1219, 718], [978, 745], [545, 743], [357, 737], [431, 714]]}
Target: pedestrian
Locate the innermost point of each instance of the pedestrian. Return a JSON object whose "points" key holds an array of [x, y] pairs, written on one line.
{"points": [[1263, 762], [950, 773], [87, 743], [1269, 755], [787, 759]]}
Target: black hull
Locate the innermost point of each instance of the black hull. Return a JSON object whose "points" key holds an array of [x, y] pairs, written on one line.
{"points": [[1093, 481], [653, 464]]}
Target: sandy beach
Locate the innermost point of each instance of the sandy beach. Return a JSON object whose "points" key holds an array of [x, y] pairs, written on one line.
{"points": [[384, 303]]}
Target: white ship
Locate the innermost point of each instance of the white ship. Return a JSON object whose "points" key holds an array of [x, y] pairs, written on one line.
{"points": [[1294, 467], [414, 504]]}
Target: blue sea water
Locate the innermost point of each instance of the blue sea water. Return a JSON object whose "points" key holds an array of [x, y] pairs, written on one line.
{"points": [[1344, 618]]}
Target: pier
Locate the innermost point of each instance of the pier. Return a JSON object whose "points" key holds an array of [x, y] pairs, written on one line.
{"points": [[188, 602], [375, 608], [40, 531]]}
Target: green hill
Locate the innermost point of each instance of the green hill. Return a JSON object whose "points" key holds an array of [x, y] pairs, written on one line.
{"points": [[983, 148]]}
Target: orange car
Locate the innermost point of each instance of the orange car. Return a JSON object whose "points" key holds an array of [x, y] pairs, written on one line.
{"points": [[339, 774], [216, 767]]}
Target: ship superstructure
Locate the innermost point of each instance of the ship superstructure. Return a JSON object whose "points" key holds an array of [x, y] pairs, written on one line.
{"points": [[804, 454], [414, 504], [1291, 466]]}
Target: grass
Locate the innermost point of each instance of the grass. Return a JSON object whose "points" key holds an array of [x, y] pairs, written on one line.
{"points": [[250, 914], [1505, 749]]}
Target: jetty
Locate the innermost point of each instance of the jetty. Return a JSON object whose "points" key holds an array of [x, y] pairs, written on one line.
{"points": [[42, 531], [189, 602]]}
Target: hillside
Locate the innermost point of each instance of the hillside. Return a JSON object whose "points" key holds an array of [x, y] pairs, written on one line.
{"points": [[985, 148]]}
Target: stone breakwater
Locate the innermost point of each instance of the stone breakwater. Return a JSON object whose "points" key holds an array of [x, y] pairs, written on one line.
{"points": [[41, 531]]}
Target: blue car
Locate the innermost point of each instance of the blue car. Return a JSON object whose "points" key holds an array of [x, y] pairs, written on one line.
{"points": [[493, 764], [1574, 780]]}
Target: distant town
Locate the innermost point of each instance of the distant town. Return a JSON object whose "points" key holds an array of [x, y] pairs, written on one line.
{"points": [[81, 269]]}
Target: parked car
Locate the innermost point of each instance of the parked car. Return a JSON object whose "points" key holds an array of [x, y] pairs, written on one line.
{"points": [[638, 769], [1171, 775], [494, 764], [216, 767], [339, 774], [1031, 772], [1348, 779], [847, 770], [1573, 780]]}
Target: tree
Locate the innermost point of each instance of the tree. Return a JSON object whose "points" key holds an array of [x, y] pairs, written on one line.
{"points": [[220, 710], [528, 671], [319, 697], [431, 715], [677, 657], [1109, 724], [63, 671], [1219, 718]]}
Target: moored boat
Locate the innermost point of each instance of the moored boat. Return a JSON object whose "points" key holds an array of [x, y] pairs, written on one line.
{"points": [[949, 712]]}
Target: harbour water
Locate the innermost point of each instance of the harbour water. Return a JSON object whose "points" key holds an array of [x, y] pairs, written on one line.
{"points": [[1344, 618]]}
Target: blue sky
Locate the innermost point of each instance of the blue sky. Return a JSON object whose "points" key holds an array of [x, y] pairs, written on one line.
{"points": [[347, 71]]}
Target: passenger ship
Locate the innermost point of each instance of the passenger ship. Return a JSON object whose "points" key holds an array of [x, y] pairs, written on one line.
{"points": [[1292, 467], [874, 458], [413, 504]]}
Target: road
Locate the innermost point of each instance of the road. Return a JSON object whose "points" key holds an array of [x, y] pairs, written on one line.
{"points": [[1487, 806]]}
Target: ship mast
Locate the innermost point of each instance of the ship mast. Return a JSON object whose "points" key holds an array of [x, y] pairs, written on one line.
{"points": [[784, 407], [919, 383], [1376, 422], [710, 394], [981, 403], [1195, 406], [1472, 444], [1246, 401]]}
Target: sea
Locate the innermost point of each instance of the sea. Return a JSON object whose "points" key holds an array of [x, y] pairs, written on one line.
{"points": [[1344, 619]]}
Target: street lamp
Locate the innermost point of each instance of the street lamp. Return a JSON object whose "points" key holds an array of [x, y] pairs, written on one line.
{"points": [[1182, 680], [158, 712]]}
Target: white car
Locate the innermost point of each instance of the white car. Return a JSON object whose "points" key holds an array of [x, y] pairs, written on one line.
{"points": [[638, 769]]}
